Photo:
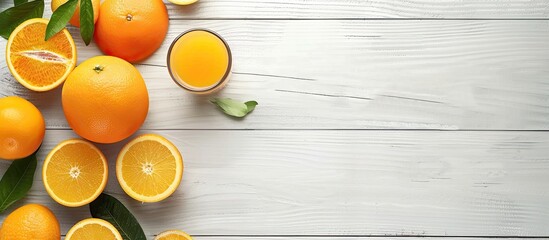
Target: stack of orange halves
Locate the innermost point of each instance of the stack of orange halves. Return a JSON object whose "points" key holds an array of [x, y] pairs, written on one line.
{"points": [[105, 100]]}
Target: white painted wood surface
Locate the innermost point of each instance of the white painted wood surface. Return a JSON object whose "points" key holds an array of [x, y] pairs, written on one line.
{"points": [[444, 183], [343, 238], [306, 165], [355, 75], [330, 9], [347, 238]]}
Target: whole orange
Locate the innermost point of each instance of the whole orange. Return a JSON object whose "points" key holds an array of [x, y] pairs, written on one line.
{"points": [[32, 221], [22, 128], [75, 19], [131, 29], [105, 99]]}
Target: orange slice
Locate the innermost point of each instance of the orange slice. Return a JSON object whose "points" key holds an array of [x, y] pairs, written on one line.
{"points": [[149, 168], [75, 173], [37, 64], [183, 2], [173, 235], [93, 228]]}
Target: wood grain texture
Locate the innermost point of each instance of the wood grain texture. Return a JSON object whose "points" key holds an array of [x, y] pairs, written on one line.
{"points": [[326, 9], [345, 238], [339, 65], [349, 238], [440, 183], [343, 74]]}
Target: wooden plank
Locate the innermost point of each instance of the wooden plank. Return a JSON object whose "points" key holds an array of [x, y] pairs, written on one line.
{"points": [[299, 9], [326, 9], [354, 75], [439, 183], [347, 238]]}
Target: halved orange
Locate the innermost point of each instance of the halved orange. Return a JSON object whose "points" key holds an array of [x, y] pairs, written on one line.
{"points": [[75, 173], [37, 64], [93, 228], [149, 168], [173, 235]]}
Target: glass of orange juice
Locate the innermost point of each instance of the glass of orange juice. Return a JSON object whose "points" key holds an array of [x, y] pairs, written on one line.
{"points": [[200, 61]]}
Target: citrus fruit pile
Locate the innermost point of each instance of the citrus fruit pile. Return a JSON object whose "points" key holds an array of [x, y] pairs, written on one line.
{"points": [[105, 100]]}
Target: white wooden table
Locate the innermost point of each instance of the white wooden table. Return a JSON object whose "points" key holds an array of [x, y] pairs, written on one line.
{"points": [[346, 142]]}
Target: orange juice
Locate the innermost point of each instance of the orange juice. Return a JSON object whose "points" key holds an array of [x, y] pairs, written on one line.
{"points": [[199, 61]]}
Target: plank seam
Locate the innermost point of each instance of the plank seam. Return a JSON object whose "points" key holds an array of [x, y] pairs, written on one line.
{"points": [[360, 19], [328, 129], [374, 236], [363, 236]]}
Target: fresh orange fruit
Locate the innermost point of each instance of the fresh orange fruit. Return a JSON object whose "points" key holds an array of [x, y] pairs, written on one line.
{"points": [[149, 168], [173, 235], [22, 128], [183, 2], [105, 99], [93, 228], [31, 221], [75, 173], [37, 64], [75, 19], [131, 29]]}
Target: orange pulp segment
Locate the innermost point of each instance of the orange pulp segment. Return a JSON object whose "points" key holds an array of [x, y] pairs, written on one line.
{"points": [[75, 173], [149, 168], [93, 228], [173, 235], [37, 64]]}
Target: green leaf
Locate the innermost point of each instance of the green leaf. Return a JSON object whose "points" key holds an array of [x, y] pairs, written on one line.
{"points": [[18, 2], [234, 108], [60, 18], [12, 17], [251, 105], [17, 181], [111, 210], [86, 21]]}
